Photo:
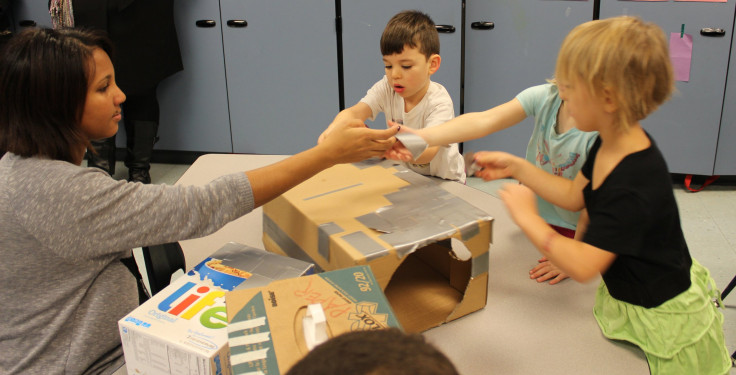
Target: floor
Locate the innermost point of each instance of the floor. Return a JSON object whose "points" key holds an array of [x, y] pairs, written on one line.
{"points": [[708, 221]]}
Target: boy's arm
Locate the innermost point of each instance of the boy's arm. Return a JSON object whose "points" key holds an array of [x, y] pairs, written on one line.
{"points": [[564, 193], [360, 112], [577, 259], [475, 124]]}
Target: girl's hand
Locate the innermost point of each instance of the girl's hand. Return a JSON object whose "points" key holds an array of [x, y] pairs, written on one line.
{"points": [[546, 270], [520, 201], [494, 164]]}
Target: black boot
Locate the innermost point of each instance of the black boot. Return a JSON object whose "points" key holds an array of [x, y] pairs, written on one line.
{"points": [[105, 156], [141, 137]]}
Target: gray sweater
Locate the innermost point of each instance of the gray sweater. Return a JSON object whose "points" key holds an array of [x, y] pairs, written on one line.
{"points": [[63, 231]]}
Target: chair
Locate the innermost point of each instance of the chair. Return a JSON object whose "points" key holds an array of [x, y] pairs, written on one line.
{"points": [[161, 262]]}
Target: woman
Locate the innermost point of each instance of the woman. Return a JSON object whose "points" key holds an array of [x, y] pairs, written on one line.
{"points": [[65, 228]]}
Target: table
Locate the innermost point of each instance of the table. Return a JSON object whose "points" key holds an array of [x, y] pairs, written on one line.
{"points": [[526, 327]]}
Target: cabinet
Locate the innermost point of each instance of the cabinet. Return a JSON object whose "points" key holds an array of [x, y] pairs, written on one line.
{"points": [[726, 150], [259, 77], [29, 13], [194, 107], [686, 128], [519, 51], [363, 23]]}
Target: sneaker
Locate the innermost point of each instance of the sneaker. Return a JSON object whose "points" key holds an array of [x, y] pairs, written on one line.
{"points": [[139, 175]]}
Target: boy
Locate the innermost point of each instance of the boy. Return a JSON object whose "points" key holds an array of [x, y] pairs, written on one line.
{"points": [[410, 46], [384, 351]]}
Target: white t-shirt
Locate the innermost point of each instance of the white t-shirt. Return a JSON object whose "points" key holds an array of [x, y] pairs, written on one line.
{"points": [[434, 109]]}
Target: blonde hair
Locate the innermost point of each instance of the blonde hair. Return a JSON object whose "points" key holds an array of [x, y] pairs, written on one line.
{"points": [[623, 55]]}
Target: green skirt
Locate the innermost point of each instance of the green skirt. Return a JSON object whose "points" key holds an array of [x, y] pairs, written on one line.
{"points": [[681, 336]]}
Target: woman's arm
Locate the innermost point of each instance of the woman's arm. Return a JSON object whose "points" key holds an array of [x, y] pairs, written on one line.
{"points": [[348, 142]]}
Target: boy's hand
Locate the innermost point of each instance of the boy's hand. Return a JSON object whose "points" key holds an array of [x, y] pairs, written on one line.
{"points": [[399, 150]]}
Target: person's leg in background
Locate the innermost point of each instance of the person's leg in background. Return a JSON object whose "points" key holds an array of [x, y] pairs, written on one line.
{"points": [[102, 155], [140, 115]]}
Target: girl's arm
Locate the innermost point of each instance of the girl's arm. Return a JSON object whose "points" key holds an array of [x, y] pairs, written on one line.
{"points": [[564, 193], [475, 125], [580, 261]]}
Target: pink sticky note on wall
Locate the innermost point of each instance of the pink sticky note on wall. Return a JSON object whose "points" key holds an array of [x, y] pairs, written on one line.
{"points": [[681, 53]]}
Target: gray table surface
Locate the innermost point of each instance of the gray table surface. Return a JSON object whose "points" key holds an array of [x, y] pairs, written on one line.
{"points": [[525, 328]]}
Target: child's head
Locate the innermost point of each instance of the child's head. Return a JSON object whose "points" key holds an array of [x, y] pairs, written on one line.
{"points": [[44, 83], [410, 46], [379, 352], [413, 29], [623, 57]]}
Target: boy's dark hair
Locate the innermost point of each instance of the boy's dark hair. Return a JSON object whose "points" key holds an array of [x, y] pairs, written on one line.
{"points": [[44, 78], [379, 352], [410, 28]]}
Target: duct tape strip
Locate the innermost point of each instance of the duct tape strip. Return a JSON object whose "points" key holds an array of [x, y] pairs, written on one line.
{"points": [[323, 238], [413, 142], [422, 213], [366, 245], [287, 245], [333, 191], [480, 264]]}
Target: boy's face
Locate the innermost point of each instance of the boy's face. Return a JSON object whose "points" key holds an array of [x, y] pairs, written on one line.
{"points": [[408, 73]]}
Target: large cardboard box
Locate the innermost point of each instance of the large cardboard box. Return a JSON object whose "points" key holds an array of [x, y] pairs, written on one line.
{"points": [[427, 247], [269, 327], [181, 329]]}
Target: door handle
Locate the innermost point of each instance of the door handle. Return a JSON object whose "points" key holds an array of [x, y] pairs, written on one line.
{"points": [[205, 23], [711, 31], [482, 25], [237, 23], [448, 29]]}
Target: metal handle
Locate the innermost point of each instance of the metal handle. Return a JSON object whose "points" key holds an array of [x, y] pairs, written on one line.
{"points": [[237, 23], [448, 29], [205, 23], [27, 23], [482, 25], [711, 31]]}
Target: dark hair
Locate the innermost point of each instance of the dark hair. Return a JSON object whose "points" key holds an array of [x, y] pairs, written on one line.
{"points": [[44, 78], [410, 28], [384, 352]]}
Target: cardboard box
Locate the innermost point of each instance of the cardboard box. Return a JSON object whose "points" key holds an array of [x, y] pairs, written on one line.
{"points": [[181, 330], [268, 327], [427, 247]]}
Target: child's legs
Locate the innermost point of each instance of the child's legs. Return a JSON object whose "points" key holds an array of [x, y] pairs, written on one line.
{"points": [[682, 336]]}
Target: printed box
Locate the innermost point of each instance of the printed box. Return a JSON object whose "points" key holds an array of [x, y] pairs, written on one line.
{"points": [[427, 247], [268, 327], [181, 330]]}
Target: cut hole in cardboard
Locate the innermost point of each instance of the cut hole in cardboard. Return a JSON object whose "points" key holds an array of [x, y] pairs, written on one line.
{"points": [[427, 287]]}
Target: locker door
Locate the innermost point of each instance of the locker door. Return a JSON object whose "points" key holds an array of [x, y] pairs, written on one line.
{"points": [[363, 24], [520, 51], [194, 111], [686, 127], [281, 66], [30, 13]]}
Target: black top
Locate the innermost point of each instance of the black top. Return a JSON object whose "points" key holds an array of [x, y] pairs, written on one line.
{"points": [[633, 214]]}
